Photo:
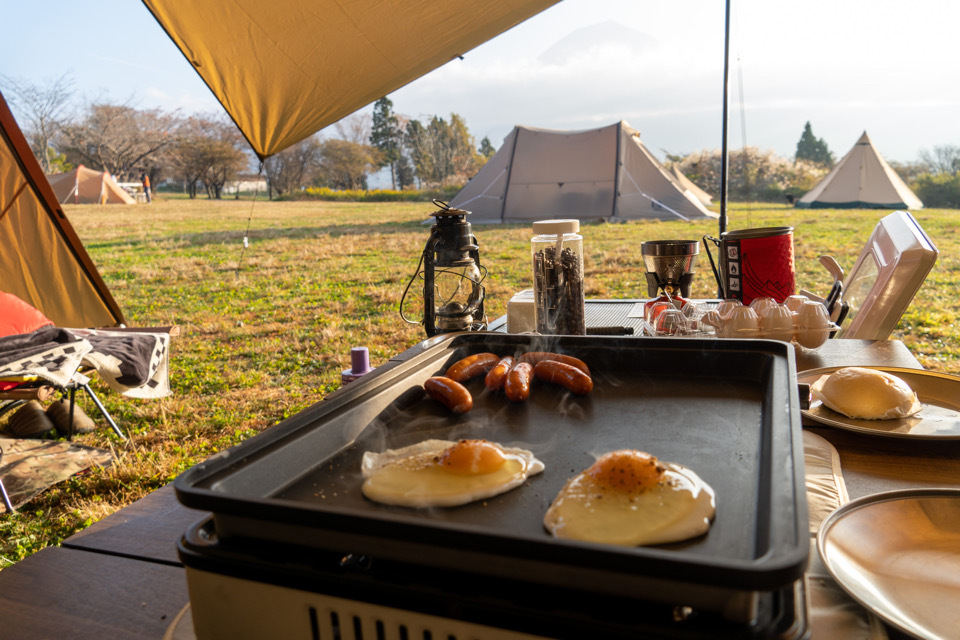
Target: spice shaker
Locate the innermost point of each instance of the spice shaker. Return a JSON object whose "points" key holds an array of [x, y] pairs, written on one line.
{"points": [[558, 293]]}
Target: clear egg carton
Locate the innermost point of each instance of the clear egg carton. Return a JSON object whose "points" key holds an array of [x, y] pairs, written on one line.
{"points": [[798, 319]]}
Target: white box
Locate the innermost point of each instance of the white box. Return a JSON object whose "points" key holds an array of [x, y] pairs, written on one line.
{"points": [[520, 312]]}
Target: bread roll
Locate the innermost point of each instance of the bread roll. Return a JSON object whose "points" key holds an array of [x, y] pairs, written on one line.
{"points": [[866, 394]]}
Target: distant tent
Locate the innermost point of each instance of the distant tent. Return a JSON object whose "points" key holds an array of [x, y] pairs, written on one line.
{"points": [[42, 261], [861, 180], [687, 183], [86, 186], [595, 174]]}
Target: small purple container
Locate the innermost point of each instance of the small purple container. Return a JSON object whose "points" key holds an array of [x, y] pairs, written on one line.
{"points": [[359, 365]]}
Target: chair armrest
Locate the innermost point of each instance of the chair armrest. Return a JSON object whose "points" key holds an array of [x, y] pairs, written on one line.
{"points": [[173, 330], [42, 393]]}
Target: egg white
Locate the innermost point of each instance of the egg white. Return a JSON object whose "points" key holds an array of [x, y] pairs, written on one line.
{"points": [[410, 477], [681, 506]]}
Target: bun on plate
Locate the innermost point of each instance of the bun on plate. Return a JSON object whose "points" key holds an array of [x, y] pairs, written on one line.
{"points": [[867, 394]]}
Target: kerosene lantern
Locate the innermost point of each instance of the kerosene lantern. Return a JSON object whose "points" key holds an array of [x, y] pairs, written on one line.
{"points": [[452, 275]]}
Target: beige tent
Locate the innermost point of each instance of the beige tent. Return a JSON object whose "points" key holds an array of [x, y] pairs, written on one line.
{"points": [[687, 183], [861, 180], [287, 68], [87, 186], [42, 261], [603, 173]]}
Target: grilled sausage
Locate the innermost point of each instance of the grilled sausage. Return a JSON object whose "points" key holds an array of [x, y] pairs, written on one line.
{"points": [[517, 384], [472, 366], [565, 375], [497, 376], [449, 393], [533, 357]]}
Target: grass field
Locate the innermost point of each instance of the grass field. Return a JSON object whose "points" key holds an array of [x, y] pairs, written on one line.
{"points": [[268, 330]]}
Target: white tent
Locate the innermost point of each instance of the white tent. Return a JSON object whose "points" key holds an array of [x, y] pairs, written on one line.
{"points": [[603, 173], [861, 180]]}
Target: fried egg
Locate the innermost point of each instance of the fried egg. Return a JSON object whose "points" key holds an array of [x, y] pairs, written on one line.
{"points": [[442, 473], [630, 498]]}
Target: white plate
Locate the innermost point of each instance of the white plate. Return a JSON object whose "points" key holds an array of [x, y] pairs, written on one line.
{"points": [[898, 554], [939, 394]]}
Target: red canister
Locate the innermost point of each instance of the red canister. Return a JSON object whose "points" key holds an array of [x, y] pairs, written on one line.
{"points": [[754, 263]]}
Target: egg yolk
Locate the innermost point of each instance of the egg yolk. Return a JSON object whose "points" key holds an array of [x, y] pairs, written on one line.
{"points": [[627, 470], [472, 457]]}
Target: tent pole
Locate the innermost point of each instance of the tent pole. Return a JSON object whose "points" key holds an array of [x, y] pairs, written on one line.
{"points": [[724, 156], [724, 159], [513, 154]]}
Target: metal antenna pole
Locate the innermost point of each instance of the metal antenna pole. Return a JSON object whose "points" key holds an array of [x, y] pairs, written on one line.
{"points": [[724, 159]]}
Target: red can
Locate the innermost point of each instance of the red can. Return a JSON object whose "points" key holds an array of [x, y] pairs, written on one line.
{"points": [[754, 263]]}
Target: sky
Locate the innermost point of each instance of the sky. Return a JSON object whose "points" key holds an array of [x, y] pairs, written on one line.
{"points": [[845, 66]]}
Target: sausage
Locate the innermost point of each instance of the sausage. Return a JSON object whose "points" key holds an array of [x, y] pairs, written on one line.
{"points": [[533, 357], [517, 384], [449, 393], [472, 366], [565, 375], [497, 376]]}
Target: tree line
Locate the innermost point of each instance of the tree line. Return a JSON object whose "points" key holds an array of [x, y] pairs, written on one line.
{"points": [[204, 153], [762, 176]]}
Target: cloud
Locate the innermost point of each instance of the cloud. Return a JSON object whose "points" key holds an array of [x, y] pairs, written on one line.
{"points": [[186, 102]]}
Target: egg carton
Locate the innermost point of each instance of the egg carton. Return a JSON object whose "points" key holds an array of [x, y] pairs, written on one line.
{"points": [[798, 320]]}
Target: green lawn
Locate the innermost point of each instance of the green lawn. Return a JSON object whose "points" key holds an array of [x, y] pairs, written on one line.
{"points": [[268, 330]]}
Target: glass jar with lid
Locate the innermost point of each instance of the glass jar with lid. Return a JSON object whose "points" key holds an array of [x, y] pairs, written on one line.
{"points": [[558, 291]]}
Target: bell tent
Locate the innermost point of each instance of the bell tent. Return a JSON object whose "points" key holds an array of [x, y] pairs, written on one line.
{"points": [[87, 186], [595, 174], [861, 180], [42, 261]]}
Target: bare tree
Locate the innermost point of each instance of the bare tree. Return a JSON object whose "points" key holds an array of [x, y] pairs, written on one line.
{"points": [[943, 159], [208, 151], [355, 128], [290, 169], [118, 138], [43, 108]]}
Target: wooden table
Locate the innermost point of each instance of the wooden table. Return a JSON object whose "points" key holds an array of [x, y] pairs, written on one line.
{"points": [[122, 578]]}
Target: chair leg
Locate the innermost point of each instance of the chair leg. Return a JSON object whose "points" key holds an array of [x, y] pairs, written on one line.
{"points": [[6, 499], [103, 411], [72, 393]]}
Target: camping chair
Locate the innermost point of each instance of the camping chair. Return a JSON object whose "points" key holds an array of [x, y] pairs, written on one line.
{"points": [[30, 390]]}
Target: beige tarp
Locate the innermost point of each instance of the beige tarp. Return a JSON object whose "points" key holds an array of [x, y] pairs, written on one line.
{"points": [[861, 180], [603, 173], [42, 261], [87, 186], [285, 69]]}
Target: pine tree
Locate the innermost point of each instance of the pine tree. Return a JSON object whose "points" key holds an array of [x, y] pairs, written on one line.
{"points": [[386, 135], [813, 149], [486, 148]]}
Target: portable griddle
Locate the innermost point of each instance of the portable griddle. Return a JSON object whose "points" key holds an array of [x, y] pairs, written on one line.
{"points": [[290, 527]]}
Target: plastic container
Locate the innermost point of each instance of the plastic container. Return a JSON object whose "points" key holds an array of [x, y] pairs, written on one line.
{"points": [[557, 250], [359, 365]]}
